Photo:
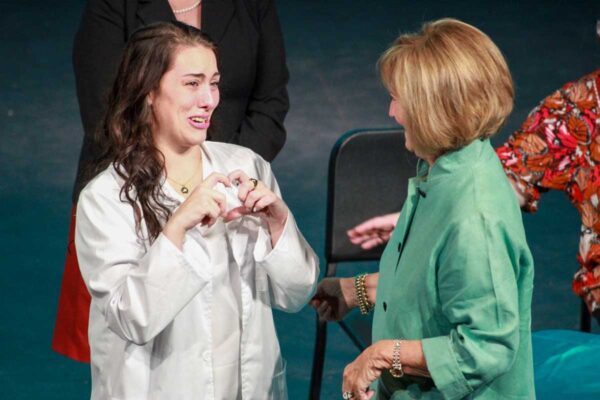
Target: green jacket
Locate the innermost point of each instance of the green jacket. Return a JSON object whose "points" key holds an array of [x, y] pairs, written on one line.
{"points": [[457, 273]]}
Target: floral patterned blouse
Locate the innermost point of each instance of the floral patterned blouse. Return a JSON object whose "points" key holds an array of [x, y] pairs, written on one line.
{"points": [[558, 147]]}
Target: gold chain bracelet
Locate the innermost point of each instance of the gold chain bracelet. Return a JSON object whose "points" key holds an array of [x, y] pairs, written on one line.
{"points": [[361, 294]]}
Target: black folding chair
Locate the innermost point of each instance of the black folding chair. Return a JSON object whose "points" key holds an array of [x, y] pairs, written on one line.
{"points": [[368, 174]]}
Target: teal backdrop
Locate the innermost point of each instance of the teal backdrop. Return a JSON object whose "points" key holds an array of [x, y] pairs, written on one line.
{"points": [[332, 48]]}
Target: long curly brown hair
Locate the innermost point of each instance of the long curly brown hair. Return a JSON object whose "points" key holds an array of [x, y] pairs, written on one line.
{"points": [[125, 137]]}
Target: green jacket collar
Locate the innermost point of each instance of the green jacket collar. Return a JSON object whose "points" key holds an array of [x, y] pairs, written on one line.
{"points": [[452, 162]]}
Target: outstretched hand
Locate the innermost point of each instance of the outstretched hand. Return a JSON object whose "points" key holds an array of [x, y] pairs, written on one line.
{"points": [[374, 232], [334, 298]]}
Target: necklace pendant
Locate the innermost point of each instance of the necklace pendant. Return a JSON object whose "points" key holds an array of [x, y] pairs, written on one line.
{"points": [[184, 190]]}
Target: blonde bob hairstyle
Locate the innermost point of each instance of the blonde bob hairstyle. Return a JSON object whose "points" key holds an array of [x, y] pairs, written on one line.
{"points": [[452, 83]]}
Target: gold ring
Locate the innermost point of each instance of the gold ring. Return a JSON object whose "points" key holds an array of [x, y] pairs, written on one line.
{"points": [[254, 182]]}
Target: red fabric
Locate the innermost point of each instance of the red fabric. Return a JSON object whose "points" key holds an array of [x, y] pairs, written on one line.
{"points": [[71, 326]]}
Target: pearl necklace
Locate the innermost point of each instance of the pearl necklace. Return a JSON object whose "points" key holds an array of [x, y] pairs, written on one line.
{"points": [[186, 9]]}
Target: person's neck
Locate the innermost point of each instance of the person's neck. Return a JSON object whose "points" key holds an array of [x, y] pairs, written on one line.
{"points": [[192, 17], [179, 4], [181, 164]]}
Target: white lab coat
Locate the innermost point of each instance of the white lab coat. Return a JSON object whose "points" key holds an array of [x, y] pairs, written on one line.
{"points": [[150, 317]]}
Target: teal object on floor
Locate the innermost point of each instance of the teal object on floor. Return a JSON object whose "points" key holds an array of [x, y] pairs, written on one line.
{"points": [[566, 365]]}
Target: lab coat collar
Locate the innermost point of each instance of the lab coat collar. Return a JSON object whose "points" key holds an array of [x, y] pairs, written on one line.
{"points": [[207, 169], [236, 232]]}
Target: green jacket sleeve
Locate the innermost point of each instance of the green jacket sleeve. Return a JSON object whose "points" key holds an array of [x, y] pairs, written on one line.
{"points": [[477, 287]]}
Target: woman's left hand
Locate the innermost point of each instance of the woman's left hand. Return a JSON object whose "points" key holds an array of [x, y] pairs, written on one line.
{"points": [[258, 199], [367, 367]]}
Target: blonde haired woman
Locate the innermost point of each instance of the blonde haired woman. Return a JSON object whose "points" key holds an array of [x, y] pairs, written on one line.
{"points": [[453, 294]]}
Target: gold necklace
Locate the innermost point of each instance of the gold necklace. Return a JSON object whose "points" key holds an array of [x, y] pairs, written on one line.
{"points": [[184, 186]]}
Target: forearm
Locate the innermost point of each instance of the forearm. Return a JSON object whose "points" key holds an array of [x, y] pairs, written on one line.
{"points": [[276, 229], [371, 285], [97, 50], [291, 265], [263, 133], [135, 307], [349, 289], [130, 281], [518, 194], [174, 233], [411, 354], [262, 129]]}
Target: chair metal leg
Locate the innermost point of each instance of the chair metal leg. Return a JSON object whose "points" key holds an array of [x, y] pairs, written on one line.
{"points": [[360, 345], [316, 376], [318, 360]]}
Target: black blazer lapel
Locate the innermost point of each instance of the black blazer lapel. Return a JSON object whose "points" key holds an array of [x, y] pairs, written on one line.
{"points": [[216, 15], [149, 11]]}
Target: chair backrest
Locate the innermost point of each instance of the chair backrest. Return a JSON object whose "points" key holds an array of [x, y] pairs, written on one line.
{"points": [[368, 174]]}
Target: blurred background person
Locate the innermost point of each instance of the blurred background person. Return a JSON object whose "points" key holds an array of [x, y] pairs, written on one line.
{"points": [[558, 148]]}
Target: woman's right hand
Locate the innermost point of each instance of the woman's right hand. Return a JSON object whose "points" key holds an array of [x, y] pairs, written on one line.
{"points": [[334, 298], [203, 206]]}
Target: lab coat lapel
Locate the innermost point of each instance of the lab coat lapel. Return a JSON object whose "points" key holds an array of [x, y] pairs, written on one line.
{"points": [[238, 234]]}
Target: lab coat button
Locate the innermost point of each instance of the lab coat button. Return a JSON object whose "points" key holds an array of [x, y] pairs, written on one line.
{"points": [[384, 306], [206, 355]]}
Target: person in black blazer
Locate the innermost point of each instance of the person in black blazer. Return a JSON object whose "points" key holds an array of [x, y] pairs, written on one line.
{"points": [[254, 99], [254, 102]]}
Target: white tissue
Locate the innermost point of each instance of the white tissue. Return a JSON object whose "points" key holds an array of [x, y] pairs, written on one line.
{"points": [[231, 196]]}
